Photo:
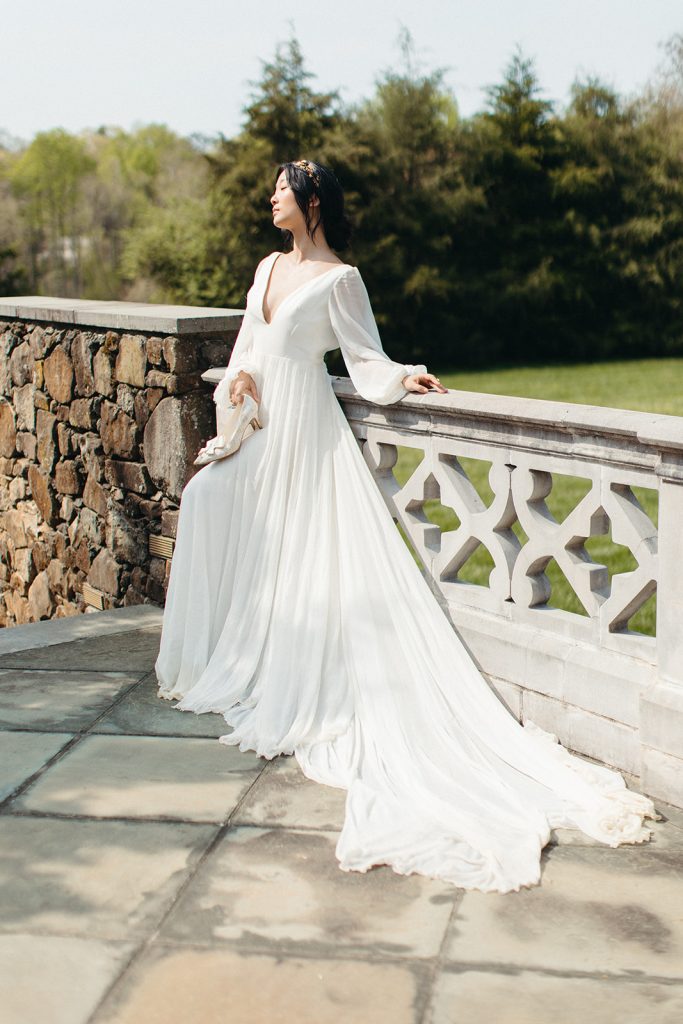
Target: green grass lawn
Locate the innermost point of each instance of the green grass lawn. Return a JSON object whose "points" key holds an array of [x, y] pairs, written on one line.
{"points": [[650, 385]]}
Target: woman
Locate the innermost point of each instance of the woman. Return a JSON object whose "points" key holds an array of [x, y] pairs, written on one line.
{"points": [[296, 611]]}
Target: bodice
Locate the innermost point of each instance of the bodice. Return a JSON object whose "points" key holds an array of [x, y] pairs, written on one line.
{"points": [[300, 327], [329, 311]]}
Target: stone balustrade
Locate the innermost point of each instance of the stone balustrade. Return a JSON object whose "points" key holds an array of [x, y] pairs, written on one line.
{"points": [[601, 687], [103, 406]]}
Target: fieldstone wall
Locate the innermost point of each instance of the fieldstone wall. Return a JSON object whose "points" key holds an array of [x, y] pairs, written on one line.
{"points": [[99, 424]]}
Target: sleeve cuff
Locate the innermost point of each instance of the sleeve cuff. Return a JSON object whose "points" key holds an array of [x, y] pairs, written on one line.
{"points": [[222, 390]]}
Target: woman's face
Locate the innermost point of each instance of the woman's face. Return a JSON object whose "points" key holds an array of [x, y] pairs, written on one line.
{"points": [[286, 213]]}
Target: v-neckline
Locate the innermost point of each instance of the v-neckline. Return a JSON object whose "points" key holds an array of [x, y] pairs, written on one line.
{"points": [[264, 293]]}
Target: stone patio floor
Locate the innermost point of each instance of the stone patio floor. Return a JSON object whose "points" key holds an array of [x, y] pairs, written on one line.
{"points": [[151, 874]]}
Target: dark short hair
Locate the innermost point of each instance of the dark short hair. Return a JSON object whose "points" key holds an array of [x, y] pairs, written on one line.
{"points": [[332, 218]]}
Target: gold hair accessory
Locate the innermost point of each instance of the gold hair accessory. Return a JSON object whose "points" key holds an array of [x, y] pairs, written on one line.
{"points": [[307, 166]]}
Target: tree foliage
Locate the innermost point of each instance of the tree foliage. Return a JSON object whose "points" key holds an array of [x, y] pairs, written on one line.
{"points": [[521, 234]]}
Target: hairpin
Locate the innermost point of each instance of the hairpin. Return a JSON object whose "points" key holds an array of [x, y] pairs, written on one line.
{"points": [[308, 167]]}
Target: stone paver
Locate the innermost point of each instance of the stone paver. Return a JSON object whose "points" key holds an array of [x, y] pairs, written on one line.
{"points": [[143, 713], [23, 753], [67, 701], [154, 875], [524, 997], [73, 976], [282, 889], [100, 879], [665, 836], [49, 632], [672, 815], [284, 796], [133, 651], [596, 909], [189, 986], [158, 777]]}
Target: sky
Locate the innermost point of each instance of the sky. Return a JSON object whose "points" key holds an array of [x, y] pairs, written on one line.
{"points": [[80, 64]]}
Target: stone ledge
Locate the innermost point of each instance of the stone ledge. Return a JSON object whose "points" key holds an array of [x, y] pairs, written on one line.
{"points": [[505, 417], [130, 316]]}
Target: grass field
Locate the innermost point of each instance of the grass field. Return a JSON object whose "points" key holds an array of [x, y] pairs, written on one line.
{"points": [[654, 385]]}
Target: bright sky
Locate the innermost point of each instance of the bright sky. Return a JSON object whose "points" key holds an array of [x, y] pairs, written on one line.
{"points": [[82, 63]]}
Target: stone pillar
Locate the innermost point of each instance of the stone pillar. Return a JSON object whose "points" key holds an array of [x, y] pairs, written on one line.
{"points": [[661, 721]]}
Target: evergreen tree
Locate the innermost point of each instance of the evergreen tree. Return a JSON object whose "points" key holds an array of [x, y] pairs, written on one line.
{"points": [[398, 166], [622, 199], [508, 236], [285, 120]]}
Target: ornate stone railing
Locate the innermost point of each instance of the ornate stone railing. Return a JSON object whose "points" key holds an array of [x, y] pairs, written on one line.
{"points": [[601, 687]]}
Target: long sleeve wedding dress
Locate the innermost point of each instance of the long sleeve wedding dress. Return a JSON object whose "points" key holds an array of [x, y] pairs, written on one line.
{"points": [[296, 611]]}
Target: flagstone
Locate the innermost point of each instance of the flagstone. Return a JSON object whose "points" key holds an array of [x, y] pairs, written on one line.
{"points": [[23, 753], [596, 909], [74, 975], [179, 986], [157, 777], [525, 997], [99, 879], [134, 651], [58, 700], [143, 712], [284, 796], [283, 889]]}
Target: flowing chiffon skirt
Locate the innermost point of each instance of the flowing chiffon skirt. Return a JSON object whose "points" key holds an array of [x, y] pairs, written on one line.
{"points": [[297, 612]]}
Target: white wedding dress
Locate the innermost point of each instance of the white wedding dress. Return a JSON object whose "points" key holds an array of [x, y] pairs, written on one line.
{"points": [[296, 611]]}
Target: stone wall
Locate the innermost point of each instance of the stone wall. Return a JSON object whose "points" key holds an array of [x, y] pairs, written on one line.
{"points": [[102, 409]]}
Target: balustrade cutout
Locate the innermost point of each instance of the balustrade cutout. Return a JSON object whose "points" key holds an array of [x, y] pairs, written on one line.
{"points": [[571, 538]]}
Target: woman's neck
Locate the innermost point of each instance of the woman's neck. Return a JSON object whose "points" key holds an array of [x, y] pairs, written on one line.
{"points": [[304, 248]]}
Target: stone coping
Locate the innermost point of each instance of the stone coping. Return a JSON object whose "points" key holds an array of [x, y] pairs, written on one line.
{"points": [[652, 430], [150, 317]]}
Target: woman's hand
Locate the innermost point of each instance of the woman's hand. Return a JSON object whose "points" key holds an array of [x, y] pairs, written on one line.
{"points": [[422, 382], [243, 383]]}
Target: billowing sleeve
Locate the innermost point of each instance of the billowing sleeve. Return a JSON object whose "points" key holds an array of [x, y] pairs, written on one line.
{"points": [[374, 375], [240, 359]]}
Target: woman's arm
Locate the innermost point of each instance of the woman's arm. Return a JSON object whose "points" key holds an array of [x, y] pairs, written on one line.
{"points": [[374, 375], [240, 361]]}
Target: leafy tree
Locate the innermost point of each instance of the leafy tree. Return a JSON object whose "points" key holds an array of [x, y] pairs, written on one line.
{"points": [[13, 276], [47, 178], [517, 235], [152, 190]]}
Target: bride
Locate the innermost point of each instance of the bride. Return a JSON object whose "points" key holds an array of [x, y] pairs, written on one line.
{"points": [[296, 611]]}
